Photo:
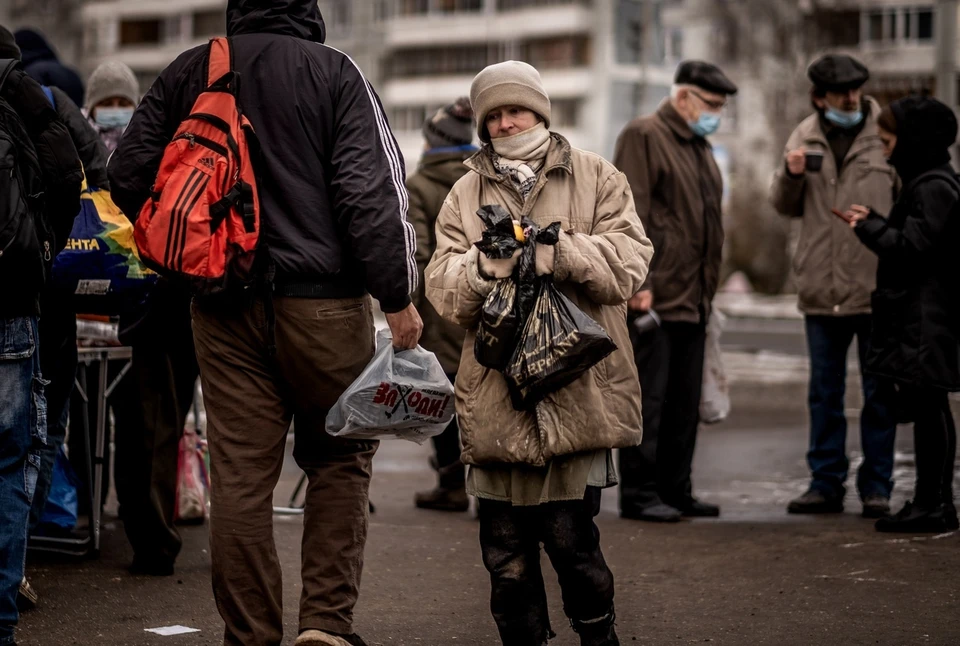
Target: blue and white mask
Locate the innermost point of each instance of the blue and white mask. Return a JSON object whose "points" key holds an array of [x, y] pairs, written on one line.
{"points": [[707, 124], [113, 117], [844, 119]]}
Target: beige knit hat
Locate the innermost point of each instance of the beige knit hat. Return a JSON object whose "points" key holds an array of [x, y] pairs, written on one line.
{"points": [[508, 83], [111, 79]]}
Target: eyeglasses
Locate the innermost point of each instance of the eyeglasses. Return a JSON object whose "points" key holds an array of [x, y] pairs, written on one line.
{"points": [[713, 105]]}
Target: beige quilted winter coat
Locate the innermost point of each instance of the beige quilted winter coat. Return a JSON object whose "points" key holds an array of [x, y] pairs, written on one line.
{"points": [[601, 261]]}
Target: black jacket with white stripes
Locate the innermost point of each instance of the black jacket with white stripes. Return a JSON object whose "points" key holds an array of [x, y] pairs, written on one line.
{"points": [[331, 176]]}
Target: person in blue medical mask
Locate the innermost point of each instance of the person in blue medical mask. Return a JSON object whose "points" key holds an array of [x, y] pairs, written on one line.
{"points": [[677, 190], [835, 157], [112, 95]]}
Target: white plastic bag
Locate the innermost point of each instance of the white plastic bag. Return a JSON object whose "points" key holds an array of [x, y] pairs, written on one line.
{"points": [[191, 501], [400, 395], [715, 400]]}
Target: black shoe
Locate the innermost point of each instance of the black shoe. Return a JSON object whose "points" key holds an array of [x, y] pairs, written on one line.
{"points": [[599, 632], [157, 566], [876, 506], [693, 508], [658, 513], [950, 511], [815, 502], [450, 493], [914, 519]]}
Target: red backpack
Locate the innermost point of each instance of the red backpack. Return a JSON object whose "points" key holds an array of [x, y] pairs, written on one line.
{"points": [[202, 221]]}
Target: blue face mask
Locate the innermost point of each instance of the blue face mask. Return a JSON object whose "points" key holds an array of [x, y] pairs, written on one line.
{"points": [[844, 119], [707, 124], [113, 117]]}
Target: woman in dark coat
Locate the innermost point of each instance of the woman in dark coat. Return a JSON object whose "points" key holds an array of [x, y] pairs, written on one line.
{"points": [[916, 307]]}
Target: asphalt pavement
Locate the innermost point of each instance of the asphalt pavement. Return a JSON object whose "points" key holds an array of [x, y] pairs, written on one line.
{"points": [[755, 576]]}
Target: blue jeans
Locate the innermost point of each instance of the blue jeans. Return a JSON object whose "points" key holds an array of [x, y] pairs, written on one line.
{"points": [[23, 430], [828, 340]]}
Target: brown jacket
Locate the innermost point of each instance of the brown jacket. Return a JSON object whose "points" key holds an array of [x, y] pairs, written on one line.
{"points": [[601, 261], [835, 273], [678, 189], [428, 188]]}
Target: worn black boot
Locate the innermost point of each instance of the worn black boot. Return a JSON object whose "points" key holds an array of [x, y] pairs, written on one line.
{"points": [[450, 493], [915, 519], [597, 632]]}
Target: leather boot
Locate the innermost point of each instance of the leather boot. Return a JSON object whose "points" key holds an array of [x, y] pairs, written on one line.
{"points": [[450, 493], [597, 632]]}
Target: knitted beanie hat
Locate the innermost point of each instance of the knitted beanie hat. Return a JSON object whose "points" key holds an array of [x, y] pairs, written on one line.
{"points": [[452, 125], [112, 79], [508, 83]]}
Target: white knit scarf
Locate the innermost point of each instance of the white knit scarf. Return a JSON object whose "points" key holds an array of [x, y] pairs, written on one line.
{"points": [[520, 157]]}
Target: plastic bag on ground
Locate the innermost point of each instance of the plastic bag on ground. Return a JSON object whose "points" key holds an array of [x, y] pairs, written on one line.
{"points": [[399, 395], [715, 400], [191, 502], [61, 508], [559, 343]]}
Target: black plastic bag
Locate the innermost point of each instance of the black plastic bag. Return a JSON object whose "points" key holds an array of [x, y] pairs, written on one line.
{"points": [[499, 240], [559, 343], [499, 326], [509, 304]]}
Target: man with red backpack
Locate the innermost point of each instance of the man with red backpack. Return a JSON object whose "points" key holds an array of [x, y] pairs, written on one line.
{"points": [[326, 213]]}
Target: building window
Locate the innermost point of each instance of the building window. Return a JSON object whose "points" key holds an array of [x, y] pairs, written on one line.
{"points": [[209, 23], [412, 7], [438, 61], [565, 113], [676, 44], [904, 24], [924, 24], [511, 5], [837, 28], [553, 53], [139, 32], [337, 14], [457, 6]]}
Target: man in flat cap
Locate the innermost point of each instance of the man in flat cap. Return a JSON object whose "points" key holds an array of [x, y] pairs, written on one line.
{"points": [[677, 189], [835, 157]]}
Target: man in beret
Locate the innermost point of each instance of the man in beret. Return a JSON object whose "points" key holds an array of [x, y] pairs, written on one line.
{"points": [[677, 189], [835, 157]]}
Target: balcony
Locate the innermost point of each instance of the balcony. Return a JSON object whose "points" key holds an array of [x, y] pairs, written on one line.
{"points": [[528, 20]]}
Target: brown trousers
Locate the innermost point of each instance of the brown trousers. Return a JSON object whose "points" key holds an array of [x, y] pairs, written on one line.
{"points": [[251, 398]]}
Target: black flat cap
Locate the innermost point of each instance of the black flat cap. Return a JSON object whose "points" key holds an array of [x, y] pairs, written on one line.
{"points": [[838, 73], [704, 75]]}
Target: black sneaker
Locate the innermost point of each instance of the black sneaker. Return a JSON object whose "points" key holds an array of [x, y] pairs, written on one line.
{"points": [[815, 502], [876, 506], [658, 513], [914, 519]]}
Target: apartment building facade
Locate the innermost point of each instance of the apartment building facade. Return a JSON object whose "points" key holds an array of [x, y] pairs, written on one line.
{"points": [[422, 54]]}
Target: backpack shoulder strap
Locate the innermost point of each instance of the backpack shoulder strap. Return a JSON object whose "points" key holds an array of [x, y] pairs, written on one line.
{"points": [[221, 60], [948, 176], [6, 66]]}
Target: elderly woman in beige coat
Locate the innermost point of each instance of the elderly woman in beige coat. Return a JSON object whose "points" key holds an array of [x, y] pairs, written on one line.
{"points": [[538, 473]]}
